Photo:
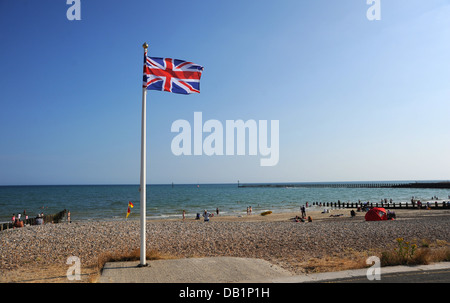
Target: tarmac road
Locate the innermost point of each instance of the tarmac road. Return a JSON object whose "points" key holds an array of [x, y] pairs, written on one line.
{"points": [[423, 276]]}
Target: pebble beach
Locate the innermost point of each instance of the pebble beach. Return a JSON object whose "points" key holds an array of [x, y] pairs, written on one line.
{"points": [[39, 253]]}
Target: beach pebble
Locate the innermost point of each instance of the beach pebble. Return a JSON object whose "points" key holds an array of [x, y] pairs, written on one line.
{"points": [[284, 243]]}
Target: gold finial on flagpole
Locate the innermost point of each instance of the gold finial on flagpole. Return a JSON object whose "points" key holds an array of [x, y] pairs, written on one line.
{"points": [[145, 45]]}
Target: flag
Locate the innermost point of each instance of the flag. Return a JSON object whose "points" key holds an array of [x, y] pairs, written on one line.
{"points": [[130, 206], [171, 75]]}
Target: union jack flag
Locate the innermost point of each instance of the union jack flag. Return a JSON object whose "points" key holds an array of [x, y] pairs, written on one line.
{"points": [[171, 75]]}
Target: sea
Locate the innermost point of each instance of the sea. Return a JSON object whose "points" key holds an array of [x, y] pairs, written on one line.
{"points": [[165, 201]]}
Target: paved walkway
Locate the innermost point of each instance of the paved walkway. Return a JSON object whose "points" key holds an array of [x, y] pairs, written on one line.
{"points": [[192, 270], [227, 270]]}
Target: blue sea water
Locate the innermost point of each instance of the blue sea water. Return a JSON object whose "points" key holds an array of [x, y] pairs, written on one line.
{"points": [[110, 202]]}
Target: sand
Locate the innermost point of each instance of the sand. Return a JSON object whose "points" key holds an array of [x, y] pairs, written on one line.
{"points": [[40, 253]]}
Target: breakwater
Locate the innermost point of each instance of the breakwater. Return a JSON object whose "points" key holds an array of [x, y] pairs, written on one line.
{"points": [[437, 185], [54, 218], [387, 205]]}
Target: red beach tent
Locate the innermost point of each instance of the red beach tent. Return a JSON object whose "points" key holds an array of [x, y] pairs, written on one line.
{"points": [[376, 214]]}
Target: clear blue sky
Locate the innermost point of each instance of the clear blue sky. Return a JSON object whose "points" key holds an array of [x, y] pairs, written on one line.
{"points": [[355, 99]]}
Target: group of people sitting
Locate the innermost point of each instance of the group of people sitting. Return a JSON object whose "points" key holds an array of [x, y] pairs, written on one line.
{"points": [[18, 221], [302, 219]]}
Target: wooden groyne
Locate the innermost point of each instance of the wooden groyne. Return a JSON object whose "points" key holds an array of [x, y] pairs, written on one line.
{"points": [[393, 205], [54, 218], [437, 185]]}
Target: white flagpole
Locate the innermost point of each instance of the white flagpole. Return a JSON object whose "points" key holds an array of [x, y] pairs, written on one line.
{"points": [[143, 172]]}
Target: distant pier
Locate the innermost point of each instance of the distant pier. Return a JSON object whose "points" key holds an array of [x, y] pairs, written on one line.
{"points": [[354, 185]]}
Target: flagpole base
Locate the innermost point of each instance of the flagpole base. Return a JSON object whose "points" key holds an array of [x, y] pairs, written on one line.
{"points": [[142, 265]]}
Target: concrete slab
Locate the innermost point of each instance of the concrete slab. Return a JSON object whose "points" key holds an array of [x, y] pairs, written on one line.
{"points": [[193, 270], [229, 270]]}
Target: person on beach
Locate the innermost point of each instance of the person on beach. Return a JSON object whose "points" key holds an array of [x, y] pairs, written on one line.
{"points": [[18, 223], [391, 215], [68, 216], [303, 209], [13, 219], [206, 215], [40, 219], [217, 211], [184, 214]]}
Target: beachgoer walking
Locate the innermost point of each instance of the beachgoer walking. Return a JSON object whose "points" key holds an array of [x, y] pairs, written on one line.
{"points": [[217, 211], [303, 209], [184, 213], [68, 216]]}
